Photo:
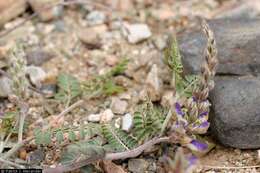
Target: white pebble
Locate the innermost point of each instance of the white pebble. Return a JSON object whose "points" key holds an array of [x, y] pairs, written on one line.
{"points": [[94, 117], [136, 32], [106, 116], [127, 122]]}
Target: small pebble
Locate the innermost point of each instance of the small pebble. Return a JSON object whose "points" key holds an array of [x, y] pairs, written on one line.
{"points": [[127, 122], [5, 86], [94, 117], [36, 74], [106, 116], [96, 18], [136, 33], [119, 106]]}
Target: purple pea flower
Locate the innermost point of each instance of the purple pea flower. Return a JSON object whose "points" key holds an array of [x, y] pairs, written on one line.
{"points": [[178, 109], [196, 145], [192, 160], [192, 163], [200, 128], [203, 114], [194, 99], [204, 124]]}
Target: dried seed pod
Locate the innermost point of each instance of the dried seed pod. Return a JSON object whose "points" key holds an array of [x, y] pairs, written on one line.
{"points": [[209, 67]]}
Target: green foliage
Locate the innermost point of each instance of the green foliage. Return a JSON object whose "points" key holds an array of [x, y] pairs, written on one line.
{"points": [[189, 84], [103, 85], [119, 68], [148, 121], [69, 88], [17, 70], [173, 60], [117, 139], [111, 88], [86, 131], [7, 122], [184, 85], [42, 138], [83, 150]]}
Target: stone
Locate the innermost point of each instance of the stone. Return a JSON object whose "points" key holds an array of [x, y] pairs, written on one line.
{"points": [[46, 9], [36, 75], [94, 118], [122, 5], [106, 116], [91, 36], [238, 44], [244, 9], [160, 42], [235, 116], [103, 117], [10, 9], [49, 89], [138, 165], [235, 119], [136, 33], [127, 122], [167, 98], [164, 13], [119, 106], [38, 57], [5, 86], [111, 60], [154, 84], [96, 18], [35, 157]]}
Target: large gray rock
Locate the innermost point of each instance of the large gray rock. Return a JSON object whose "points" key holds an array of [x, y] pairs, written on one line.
{"points": [[235, 119], [244, 9], [238, 43], [236, 106]]}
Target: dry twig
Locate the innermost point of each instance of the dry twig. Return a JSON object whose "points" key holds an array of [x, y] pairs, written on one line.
{"points": [[11, 163], [230, 167]]}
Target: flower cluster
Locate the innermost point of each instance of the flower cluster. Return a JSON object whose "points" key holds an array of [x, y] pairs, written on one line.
{"points": [[191, 112], [17, 70]]}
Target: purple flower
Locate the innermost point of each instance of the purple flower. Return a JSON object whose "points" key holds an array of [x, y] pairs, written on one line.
{"points": [[192, 159], [194, 99], [203, 114], [197, 145], [204, 124], [192, 163], [200, 128], [178, 109]]}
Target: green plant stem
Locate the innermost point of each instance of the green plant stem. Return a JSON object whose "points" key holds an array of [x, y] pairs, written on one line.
{"points": [[165, 122], [23, 113], [188, 87], [70, 108]]}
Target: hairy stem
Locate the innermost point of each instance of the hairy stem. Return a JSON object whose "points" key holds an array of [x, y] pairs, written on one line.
{"points": [[108, 156], [23, 112]]}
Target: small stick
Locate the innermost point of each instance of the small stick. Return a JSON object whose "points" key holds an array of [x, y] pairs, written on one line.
{"points": [[230, 167], [108, 156], [70, 108], [11, 163], [23, 113], [136, 151]]}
